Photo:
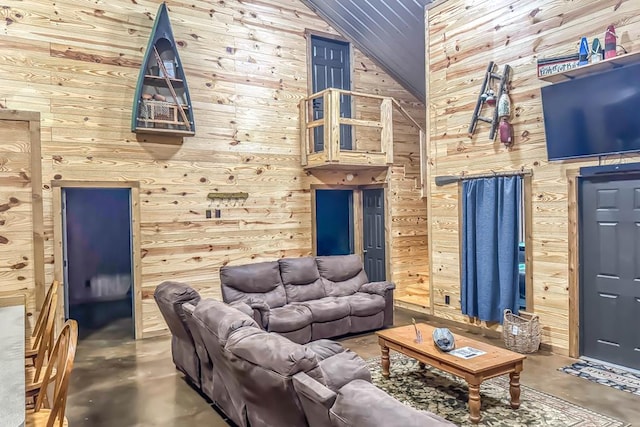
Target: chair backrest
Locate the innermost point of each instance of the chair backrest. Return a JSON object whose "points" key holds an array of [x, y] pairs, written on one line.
{"points": [[46, 340], [62, 357], [49, 299]]}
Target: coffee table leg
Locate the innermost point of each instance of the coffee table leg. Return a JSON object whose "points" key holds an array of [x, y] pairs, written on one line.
{"points": [[474, 403], [385, 360], [514, 389], [421, 365]]}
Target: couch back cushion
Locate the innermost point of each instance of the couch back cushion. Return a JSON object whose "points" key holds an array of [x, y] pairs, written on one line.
{"points": [[301, 278], [259, 281], [170, 296], [221, 320], [271, 351], [342, 274], [263, 364]]}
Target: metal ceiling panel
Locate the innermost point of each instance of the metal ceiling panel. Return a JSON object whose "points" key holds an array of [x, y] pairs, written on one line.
{"points": [[389, 31]]}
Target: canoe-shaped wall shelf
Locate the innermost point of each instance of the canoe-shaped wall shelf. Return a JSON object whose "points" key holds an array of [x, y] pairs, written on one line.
{"points": [[162, 104]]}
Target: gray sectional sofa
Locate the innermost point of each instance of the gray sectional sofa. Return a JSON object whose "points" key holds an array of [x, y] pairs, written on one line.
{"points": [[263, 379], [307, 299]]}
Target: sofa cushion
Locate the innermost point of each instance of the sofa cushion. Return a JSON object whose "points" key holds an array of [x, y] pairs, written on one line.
{"points": [[271, 351], [324, 348], [339, 268], [362, 304], [328, 309], [259, 280], [221, 319], [301, 279], [289, 318], [360, 403], [342, 274], [343, 368]]}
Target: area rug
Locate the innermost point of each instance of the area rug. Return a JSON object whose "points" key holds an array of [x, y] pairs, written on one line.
{"points": [[435, 391], [607, 375]]}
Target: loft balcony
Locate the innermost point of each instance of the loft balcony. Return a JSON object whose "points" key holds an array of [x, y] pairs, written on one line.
{"points": [[332, 138]]}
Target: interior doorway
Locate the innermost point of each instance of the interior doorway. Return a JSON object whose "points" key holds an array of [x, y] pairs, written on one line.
{"points": [[97, 260], [609, 236], [352, 221], [334, 222]]}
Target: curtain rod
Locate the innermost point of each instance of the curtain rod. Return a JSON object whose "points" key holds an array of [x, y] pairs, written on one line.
{"points": [[450, 179]]}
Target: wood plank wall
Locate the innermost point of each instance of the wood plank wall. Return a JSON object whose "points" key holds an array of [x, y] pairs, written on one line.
{"points": [[76, 62], [463, 36]]}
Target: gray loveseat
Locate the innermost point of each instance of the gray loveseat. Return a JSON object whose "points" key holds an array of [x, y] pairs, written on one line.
{"points": [[310, 298]]}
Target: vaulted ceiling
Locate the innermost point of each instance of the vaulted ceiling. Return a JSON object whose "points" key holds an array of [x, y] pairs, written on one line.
{"points": [[389, 31]]}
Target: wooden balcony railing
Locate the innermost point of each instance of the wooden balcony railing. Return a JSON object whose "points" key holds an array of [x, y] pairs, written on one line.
{"points": [[371, 135]]}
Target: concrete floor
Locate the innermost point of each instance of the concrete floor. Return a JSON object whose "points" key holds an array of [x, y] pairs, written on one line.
{"points": [[124, 383]]}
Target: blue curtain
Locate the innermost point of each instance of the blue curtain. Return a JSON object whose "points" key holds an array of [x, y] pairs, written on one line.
{"points": [[490, 215]]}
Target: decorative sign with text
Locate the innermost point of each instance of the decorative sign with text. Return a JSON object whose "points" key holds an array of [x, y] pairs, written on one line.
{"points": [[549, 66]]}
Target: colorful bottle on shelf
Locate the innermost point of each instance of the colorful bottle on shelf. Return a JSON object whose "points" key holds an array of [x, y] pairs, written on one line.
{"points": [[610, 42], [596, 51], [583, 52]]}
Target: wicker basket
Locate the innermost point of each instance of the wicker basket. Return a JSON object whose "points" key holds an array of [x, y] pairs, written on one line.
{"points": [[521, 333]]}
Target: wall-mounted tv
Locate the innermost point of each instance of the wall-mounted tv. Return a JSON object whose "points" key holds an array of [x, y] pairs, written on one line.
{"points": [[594, 115]]}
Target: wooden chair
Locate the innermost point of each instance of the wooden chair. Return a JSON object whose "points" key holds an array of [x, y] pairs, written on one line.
{"points": [[33, 342], [35, 374], [49, 412]]}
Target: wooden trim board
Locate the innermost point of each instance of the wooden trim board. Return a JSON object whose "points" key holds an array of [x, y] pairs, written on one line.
{"points": [[33, 118], [574, 269]]}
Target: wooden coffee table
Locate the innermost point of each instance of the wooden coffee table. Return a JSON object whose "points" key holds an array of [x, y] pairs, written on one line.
{"points": [[496, 361]]}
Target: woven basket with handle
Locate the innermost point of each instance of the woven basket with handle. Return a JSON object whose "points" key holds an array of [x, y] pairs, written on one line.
{"points": [[521, 333]]}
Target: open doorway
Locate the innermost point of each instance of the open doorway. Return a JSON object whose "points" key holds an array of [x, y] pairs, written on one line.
{"points": [[352, 221], [334, 222], [97, 266]]}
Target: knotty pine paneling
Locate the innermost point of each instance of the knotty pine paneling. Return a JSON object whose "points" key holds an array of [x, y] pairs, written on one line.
{"points": [[76, 62], [463, 36]]}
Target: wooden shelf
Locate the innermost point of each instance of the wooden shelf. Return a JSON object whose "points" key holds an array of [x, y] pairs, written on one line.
{"points": [[594, 68], [168, 132], [161, 80], [154, 116]]}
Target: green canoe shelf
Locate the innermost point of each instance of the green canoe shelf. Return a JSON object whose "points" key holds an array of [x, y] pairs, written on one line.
{"points": [[162, 104]]}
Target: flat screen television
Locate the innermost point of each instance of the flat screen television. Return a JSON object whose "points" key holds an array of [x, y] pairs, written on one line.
{"points": [[594, 115]]}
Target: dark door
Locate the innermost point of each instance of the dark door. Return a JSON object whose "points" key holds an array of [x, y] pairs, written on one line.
{"points": [[610, 270], [334, 222], [330, 68], [373, 234]]}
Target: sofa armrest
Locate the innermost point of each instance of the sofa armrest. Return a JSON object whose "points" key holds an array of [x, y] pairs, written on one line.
{"points": [[379, 288], [316, 399], [313, 390], [261, 311]]}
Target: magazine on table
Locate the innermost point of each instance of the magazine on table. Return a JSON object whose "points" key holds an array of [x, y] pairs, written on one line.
{"points": [[466, 352]]}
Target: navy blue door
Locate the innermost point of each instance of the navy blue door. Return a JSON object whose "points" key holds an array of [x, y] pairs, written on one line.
{"points": [[330, 68], [373, 234]]}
